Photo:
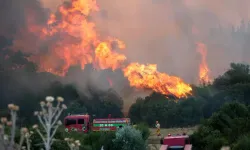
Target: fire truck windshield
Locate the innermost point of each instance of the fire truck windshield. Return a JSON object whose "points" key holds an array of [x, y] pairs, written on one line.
{"points": [[176, 148], [70, 122], [80, 121]]}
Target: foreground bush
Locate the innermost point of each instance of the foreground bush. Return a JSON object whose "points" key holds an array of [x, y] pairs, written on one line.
{"points": [[243, 143], [144, 129], [48, 118], [128, 138], [7, 139], [90, 141], [226, 127]]}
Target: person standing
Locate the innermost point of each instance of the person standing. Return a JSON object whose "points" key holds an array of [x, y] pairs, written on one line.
{"points": [[158, 128]]}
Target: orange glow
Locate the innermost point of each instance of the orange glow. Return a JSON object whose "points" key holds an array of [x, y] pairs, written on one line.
{"points": [[204, 71]]}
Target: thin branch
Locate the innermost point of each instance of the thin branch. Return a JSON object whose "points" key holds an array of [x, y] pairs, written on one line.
{"points": [[5, 143], [57, 116], [13, 119], [69, 145], [21, 142], [2, 134], [52, 141], [38, 131], [28, 143], [44, 115], [2, 139], [40, 120], [54, 132], [56, 108]]}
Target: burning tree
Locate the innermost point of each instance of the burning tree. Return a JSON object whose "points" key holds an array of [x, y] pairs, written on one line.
{"points": [[7, 142], [48, 118]]}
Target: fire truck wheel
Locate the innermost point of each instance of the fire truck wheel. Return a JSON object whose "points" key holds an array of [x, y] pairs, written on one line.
{"points": [[66, 130], [83, 128]]}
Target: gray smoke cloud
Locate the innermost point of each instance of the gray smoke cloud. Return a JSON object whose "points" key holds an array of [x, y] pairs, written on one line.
{"points": [[13, 15], [164, 32]]}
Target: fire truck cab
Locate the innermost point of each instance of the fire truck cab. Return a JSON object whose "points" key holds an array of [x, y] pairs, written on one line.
{"points": [[80, 123], [180, 142]]}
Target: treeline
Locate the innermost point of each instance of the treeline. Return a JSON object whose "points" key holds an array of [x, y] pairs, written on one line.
{"points": [[233, 85], [230, 126], [97, 103]]}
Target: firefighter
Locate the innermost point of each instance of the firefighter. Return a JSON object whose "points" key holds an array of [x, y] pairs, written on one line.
{"points": [[158, 128]]}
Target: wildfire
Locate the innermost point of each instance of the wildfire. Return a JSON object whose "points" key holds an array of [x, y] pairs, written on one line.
{"points": [[106, 58], [147, 76], [72, 39], [204, 71]]}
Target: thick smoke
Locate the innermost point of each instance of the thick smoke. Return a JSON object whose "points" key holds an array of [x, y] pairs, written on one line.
{"points": [[13, 15], [164, 32]]}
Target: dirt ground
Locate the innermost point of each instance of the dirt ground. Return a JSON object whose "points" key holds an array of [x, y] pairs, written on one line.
{"points": [[174, 131]]}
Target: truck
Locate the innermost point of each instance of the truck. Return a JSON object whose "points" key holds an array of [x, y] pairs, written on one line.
{"points": [[179, 142], [84, 123]]}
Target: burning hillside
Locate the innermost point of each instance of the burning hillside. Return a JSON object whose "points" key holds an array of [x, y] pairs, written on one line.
{"points": [[70, 38]]}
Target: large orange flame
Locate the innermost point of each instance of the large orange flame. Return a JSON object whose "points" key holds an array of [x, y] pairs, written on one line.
{"points": [[147, 76], [72, 39], [204, 71]]}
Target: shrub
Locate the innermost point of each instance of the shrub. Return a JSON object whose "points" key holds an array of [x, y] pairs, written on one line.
{"points": [[106, 140], [128, 138], [144, 129], [242, 143]]}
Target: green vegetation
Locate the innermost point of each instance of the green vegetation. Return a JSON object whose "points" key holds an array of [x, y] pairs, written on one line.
{"points": [[129, 138], [229, 126], [144, 129]]}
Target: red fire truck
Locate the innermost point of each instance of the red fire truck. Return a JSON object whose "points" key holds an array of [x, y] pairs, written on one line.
{"points": [[83, 123], [180, 142]]}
